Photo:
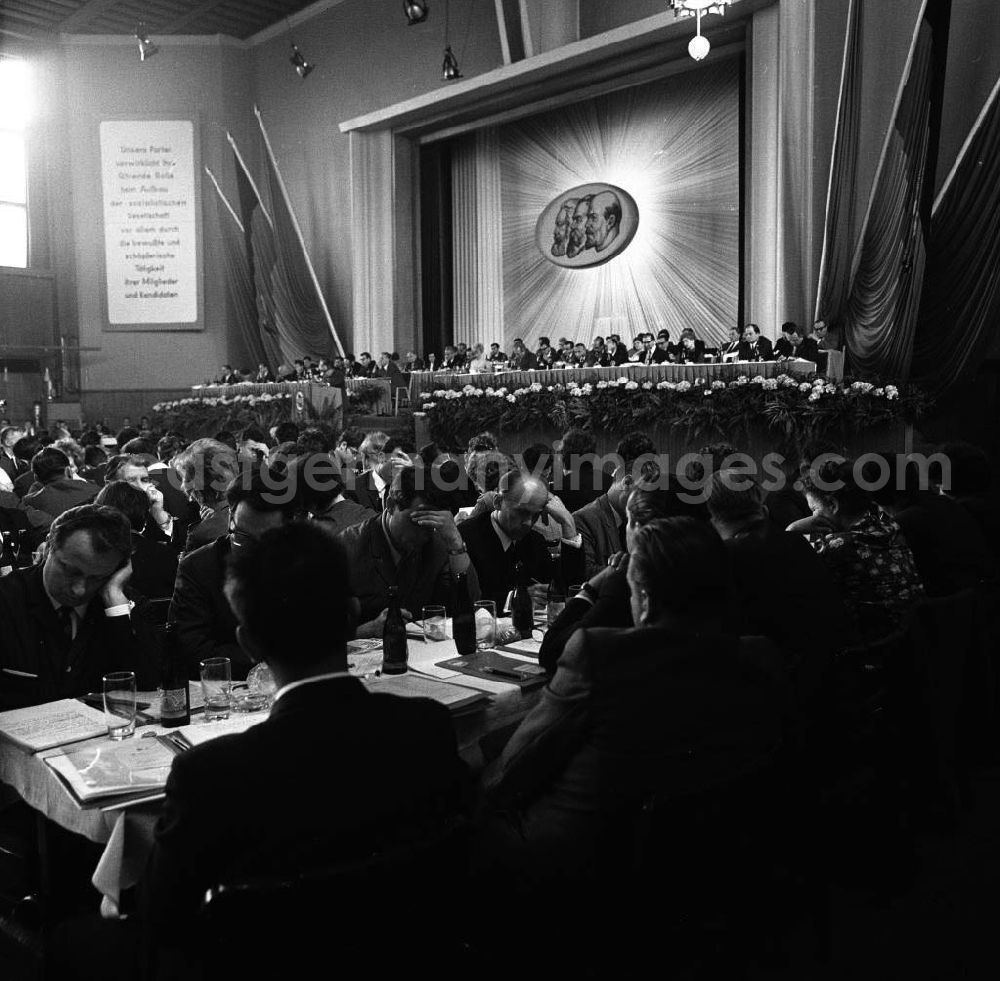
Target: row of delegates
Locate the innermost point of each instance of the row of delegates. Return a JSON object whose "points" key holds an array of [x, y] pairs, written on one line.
{"points": [[646, 349]]}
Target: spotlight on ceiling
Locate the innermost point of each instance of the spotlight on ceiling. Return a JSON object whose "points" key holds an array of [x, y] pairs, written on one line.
{"points": [[416, 12], [146, 47], [449, 67], [301, 65]]}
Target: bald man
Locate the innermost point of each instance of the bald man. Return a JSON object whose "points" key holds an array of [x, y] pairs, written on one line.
{"points": [[497, 540]]}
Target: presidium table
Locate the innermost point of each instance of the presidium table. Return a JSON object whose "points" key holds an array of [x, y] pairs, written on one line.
{"points": [[428, 381]]}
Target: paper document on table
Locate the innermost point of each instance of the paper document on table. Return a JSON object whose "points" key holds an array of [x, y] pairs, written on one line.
{"points": [[203, 732], [530, 646], [411, 685], [113, 769], [52, 724]]}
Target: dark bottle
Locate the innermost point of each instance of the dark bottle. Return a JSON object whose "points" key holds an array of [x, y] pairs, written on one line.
{"points": [[394, 653], [522, 610], [7, 560], [463, 622], [175, 708]]}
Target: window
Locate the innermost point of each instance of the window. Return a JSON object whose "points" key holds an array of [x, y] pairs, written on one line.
{"points": [[14, 104]]}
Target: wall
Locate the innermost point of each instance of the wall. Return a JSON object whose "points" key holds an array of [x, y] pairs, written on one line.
{"points": [[367, 58]]}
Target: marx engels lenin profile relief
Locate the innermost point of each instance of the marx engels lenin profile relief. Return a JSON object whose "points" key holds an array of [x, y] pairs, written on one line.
{"points": [[587, 225]]}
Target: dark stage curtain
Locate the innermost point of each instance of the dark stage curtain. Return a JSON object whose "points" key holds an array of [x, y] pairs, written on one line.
{"points": [[960, 307]]}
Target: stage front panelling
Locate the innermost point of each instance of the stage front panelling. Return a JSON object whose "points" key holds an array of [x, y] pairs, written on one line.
{"points": [[673, 146]]}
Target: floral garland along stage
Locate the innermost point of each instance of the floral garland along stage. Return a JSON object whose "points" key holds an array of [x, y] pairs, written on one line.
{"points": [[796, 410], [195, 417]]}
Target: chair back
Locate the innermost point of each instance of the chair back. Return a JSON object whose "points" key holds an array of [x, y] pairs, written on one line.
{"points": [[315, 905]]}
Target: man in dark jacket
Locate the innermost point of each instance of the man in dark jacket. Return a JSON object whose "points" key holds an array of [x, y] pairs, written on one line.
{"points": [[413, 545], [71, 620], [754, 347], [300, 788], [206, 626], [58, 491], [498, 540]]}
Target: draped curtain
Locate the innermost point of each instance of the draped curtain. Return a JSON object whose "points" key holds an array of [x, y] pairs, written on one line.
{"points": [[839, 234], [960, 307], [881, 310]]}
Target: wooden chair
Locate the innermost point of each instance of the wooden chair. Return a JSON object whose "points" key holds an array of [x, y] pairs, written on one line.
{"points": [[402, 398]]}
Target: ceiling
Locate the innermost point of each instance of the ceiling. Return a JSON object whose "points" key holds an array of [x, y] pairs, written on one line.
{"points": [[237, 18]]}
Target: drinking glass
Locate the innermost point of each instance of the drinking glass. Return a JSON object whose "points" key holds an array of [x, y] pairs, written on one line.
{"points": [[555, 603], [217, 687], [435, 623], [574, 591], [119, 703], [485, 612]]}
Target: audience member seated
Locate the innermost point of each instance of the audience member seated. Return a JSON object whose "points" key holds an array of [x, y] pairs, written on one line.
{"points": [[319, 486], [784, 591], [946, 541], [413, 545], [521, 359], [160, 524], [604, 599], [499, 539], [601, 523], [206, 469], [57, 490], [9, 463], [95, 464], [496, 356], [384, 457], [484, 469], [325, 797], [755, 347], [206, 627], [864, 550], [24, 450], [578, 478], [617, 353], [73, 618], [154, 563], [672, 706], [346, 452]]}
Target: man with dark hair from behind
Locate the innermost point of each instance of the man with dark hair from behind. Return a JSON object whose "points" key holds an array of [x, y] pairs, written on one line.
{"points": [[413, 545], [319, 487], [154, 563], [205, 624], [25, 449], [321, 805], [70, 620], [58, 491], [783, 590], [576, 477], [286, 432], [601, 523]]}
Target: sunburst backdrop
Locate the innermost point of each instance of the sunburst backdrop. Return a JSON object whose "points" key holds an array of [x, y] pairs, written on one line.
{"points": [[674, 146]]}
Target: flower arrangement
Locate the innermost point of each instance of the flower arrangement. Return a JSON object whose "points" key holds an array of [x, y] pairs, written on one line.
{"points": [[793, 409], [363, 397], [195, 417]]}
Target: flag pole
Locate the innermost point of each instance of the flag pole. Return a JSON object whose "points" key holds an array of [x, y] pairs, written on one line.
{"points": [[225, 200], [246, 170], [298, 232]]}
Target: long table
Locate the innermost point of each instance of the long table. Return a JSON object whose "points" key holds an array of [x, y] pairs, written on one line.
{"points": [[428, 381], [323, 398], [127, 832]]}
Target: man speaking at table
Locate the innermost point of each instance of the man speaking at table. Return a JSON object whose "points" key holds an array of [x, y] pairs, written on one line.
{"points": [[333, 767], [69, 621]]}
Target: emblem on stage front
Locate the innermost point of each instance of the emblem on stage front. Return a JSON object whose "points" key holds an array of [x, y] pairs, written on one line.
{"points": [[587, 225]]}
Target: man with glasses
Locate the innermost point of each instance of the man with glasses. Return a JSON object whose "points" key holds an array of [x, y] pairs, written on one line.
{"points": [[259, 499]]}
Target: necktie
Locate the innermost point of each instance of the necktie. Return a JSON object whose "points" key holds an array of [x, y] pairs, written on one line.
{"points": [[65, 615]]}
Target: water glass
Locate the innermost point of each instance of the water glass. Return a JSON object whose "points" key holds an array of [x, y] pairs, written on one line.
{"points": [[554, 605], [485, 612], [119, 703], [435, 624], [217, 687]]}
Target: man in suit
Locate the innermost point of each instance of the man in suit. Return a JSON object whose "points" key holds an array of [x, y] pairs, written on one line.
{"points": [[323, 796], [9, 463], [601, 523], [579, 477], [413, 545], [661, 353], [160, 524], [385, 457], [522, 359], [154, 561], [792, 344], [205, 624], [755, 347], [57, 491], [675, 703], [783, 589], [731, 348], [497, 540], [319, 488], [206, 469], [70, 620]]}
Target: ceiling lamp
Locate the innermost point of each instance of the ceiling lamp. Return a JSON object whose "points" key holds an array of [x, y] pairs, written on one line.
{"points": [[301, 65], [699, 47], [449, 67], [146, 47], [416, 12]]}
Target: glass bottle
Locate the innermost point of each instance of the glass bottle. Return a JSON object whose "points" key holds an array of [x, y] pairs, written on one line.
{"points": [[394, 651], [463, 617], [175, 705], [522, 612]]}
